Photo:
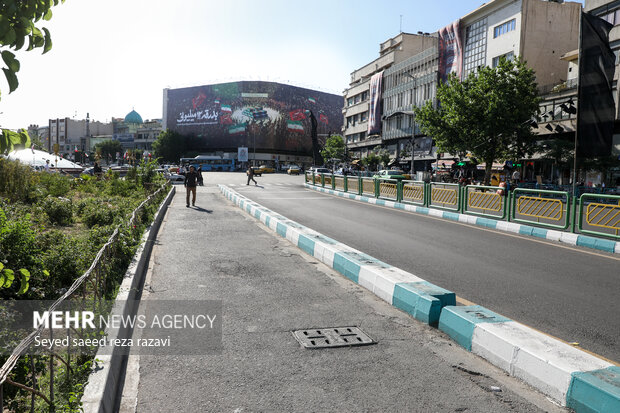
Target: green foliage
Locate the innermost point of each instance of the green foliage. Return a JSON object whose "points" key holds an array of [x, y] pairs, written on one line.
{"points": [[54, 184], [384, 156], [17, 23], [486, 114], [334, 148], [169, 146], [18, 182], [98, 214], [109, 148], [371, 161], [59, 210], [9, 139]]}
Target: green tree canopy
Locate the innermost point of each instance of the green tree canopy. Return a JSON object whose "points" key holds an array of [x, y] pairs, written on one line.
{"points": [[109, 148], [488, 114], [334, 148], [17, 23], [371, 161], [169, 146]]}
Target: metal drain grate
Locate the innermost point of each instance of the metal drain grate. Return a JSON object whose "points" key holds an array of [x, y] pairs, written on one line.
{"points": [[332, 337]]}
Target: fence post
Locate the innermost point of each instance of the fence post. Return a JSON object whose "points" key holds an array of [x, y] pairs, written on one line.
{"points": [[333, 182], [323, 180], [399, 191], [377, 188], [575, 211], [346, 183], [360, 188]]}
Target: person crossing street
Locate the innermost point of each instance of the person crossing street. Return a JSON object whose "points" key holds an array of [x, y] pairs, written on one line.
{"points": [[250, 174]]}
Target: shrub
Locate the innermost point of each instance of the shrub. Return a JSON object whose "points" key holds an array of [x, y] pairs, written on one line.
{"points": [[58, 210], [97, 214], [17, 181], [55, 184]]}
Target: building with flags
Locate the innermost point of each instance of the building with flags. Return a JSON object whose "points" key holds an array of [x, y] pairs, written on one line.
{"points": [[272, 120], [411, 66], [70, 133]]}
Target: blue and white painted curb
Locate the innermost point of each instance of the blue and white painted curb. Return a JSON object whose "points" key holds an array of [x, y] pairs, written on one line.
{"points": [[570, 376], [549, 234]]}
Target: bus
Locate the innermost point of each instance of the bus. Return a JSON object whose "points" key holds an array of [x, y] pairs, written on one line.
{"points": [[209, 163]]}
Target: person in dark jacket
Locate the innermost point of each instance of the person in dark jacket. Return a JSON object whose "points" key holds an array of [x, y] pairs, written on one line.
{"points": [[200, 178], [250, 174], [190, 183]]}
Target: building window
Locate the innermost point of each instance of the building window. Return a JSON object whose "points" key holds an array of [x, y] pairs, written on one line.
{"points": [[507, 56], [474, 55], [504, 28], [612, 17], [363, 116], [364, 96], [350, 101]]}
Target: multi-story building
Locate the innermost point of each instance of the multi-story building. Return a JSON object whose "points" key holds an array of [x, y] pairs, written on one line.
{"points": [[538, 31], [42, 133], [356, 97], [70, 134], [147, 133]]}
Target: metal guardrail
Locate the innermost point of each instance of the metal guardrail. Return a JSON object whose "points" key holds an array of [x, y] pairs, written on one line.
{"points": [[339, 182], [596, 214], [487, 201], [550, 209], [90, 289], [445, 196], [353, 185], [414, 192], [388, 189], [602, 212], [368, 186]]}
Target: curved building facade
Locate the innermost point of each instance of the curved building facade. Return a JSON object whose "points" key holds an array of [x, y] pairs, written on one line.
{"points": [[268, 118]]}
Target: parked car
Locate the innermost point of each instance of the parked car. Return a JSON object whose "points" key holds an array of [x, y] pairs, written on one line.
{"points": [[174, 177], [293, 170], [266, 169], [391, 174]]}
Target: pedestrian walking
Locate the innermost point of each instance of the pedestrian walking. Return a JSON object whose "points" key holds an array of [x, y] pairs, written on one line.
{"points": [[250, 174], [200, 178], [47, 165], [516, 177], [97, 171], [190, 183]]}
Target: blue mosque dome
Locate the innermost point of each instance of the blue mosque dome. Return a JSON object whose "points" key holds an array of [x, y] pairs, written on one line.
{"points": [[133, 117]]}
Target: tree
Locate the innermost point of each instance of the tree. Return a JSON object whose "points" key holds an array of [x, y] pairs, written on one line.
{"points": [[371, 161], [109, 149], [169, 146], [488, 114], [17, 22], [334, 148], [383, 155]]}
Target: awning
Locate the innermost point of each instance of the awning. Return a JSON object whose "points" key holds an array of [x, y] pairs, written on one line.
{"points": [[392, 162], [442, 164], [496, 166]]}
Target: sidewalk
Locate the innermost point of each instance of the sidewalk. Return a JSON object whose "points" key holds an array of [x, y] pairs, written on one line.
{"points": [[270, 288]]}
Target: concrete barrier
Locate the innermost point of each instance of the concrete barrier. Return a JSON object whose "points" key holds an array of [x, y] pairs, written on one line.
{"points": [[542, 361]]}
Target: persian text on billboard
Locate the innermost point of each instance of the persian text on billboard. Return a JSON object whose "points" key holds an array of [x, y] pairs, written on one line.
{"points": [[450, 50]]}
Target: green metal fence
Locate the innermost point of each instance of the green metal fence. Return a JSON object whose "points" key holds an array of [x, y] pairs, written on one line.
{"points": [[549, 209], [595, 214], [414, 192], [486, 201], [599, 215], [445, 196]]}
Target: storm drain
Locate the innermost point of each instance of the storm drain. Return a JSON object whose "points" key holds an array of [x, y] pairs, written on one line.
{"points": [[332, 337]]}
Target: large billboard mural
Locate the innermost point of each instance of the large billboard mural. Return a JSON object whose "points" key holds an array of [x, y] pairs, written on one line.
{"points": [[270, 115], [450, 51]]}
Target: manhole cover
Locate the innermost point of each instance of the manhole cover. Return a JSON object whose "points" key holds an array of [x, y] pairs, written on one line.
{"points": [[332, 337]]}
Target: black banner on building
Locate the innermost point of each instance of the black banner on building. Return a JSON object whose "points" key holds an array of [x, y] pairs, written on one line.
{"points": [[596, 111]]}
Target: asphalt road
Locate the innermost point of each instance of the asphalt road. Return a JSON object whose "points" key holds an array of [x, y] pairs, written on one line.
{"points": [[568, 292], [269, 288]]}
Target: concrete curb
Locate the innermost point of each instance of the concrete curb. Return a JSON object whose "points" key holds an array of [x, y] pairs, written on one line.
{"points": [[568, 375], [102, 390], [549, 234]]}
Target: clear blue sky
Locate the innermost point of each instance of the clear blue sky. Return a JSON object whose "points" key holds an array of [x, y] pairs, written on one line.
{"points": [[112, 56]]}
